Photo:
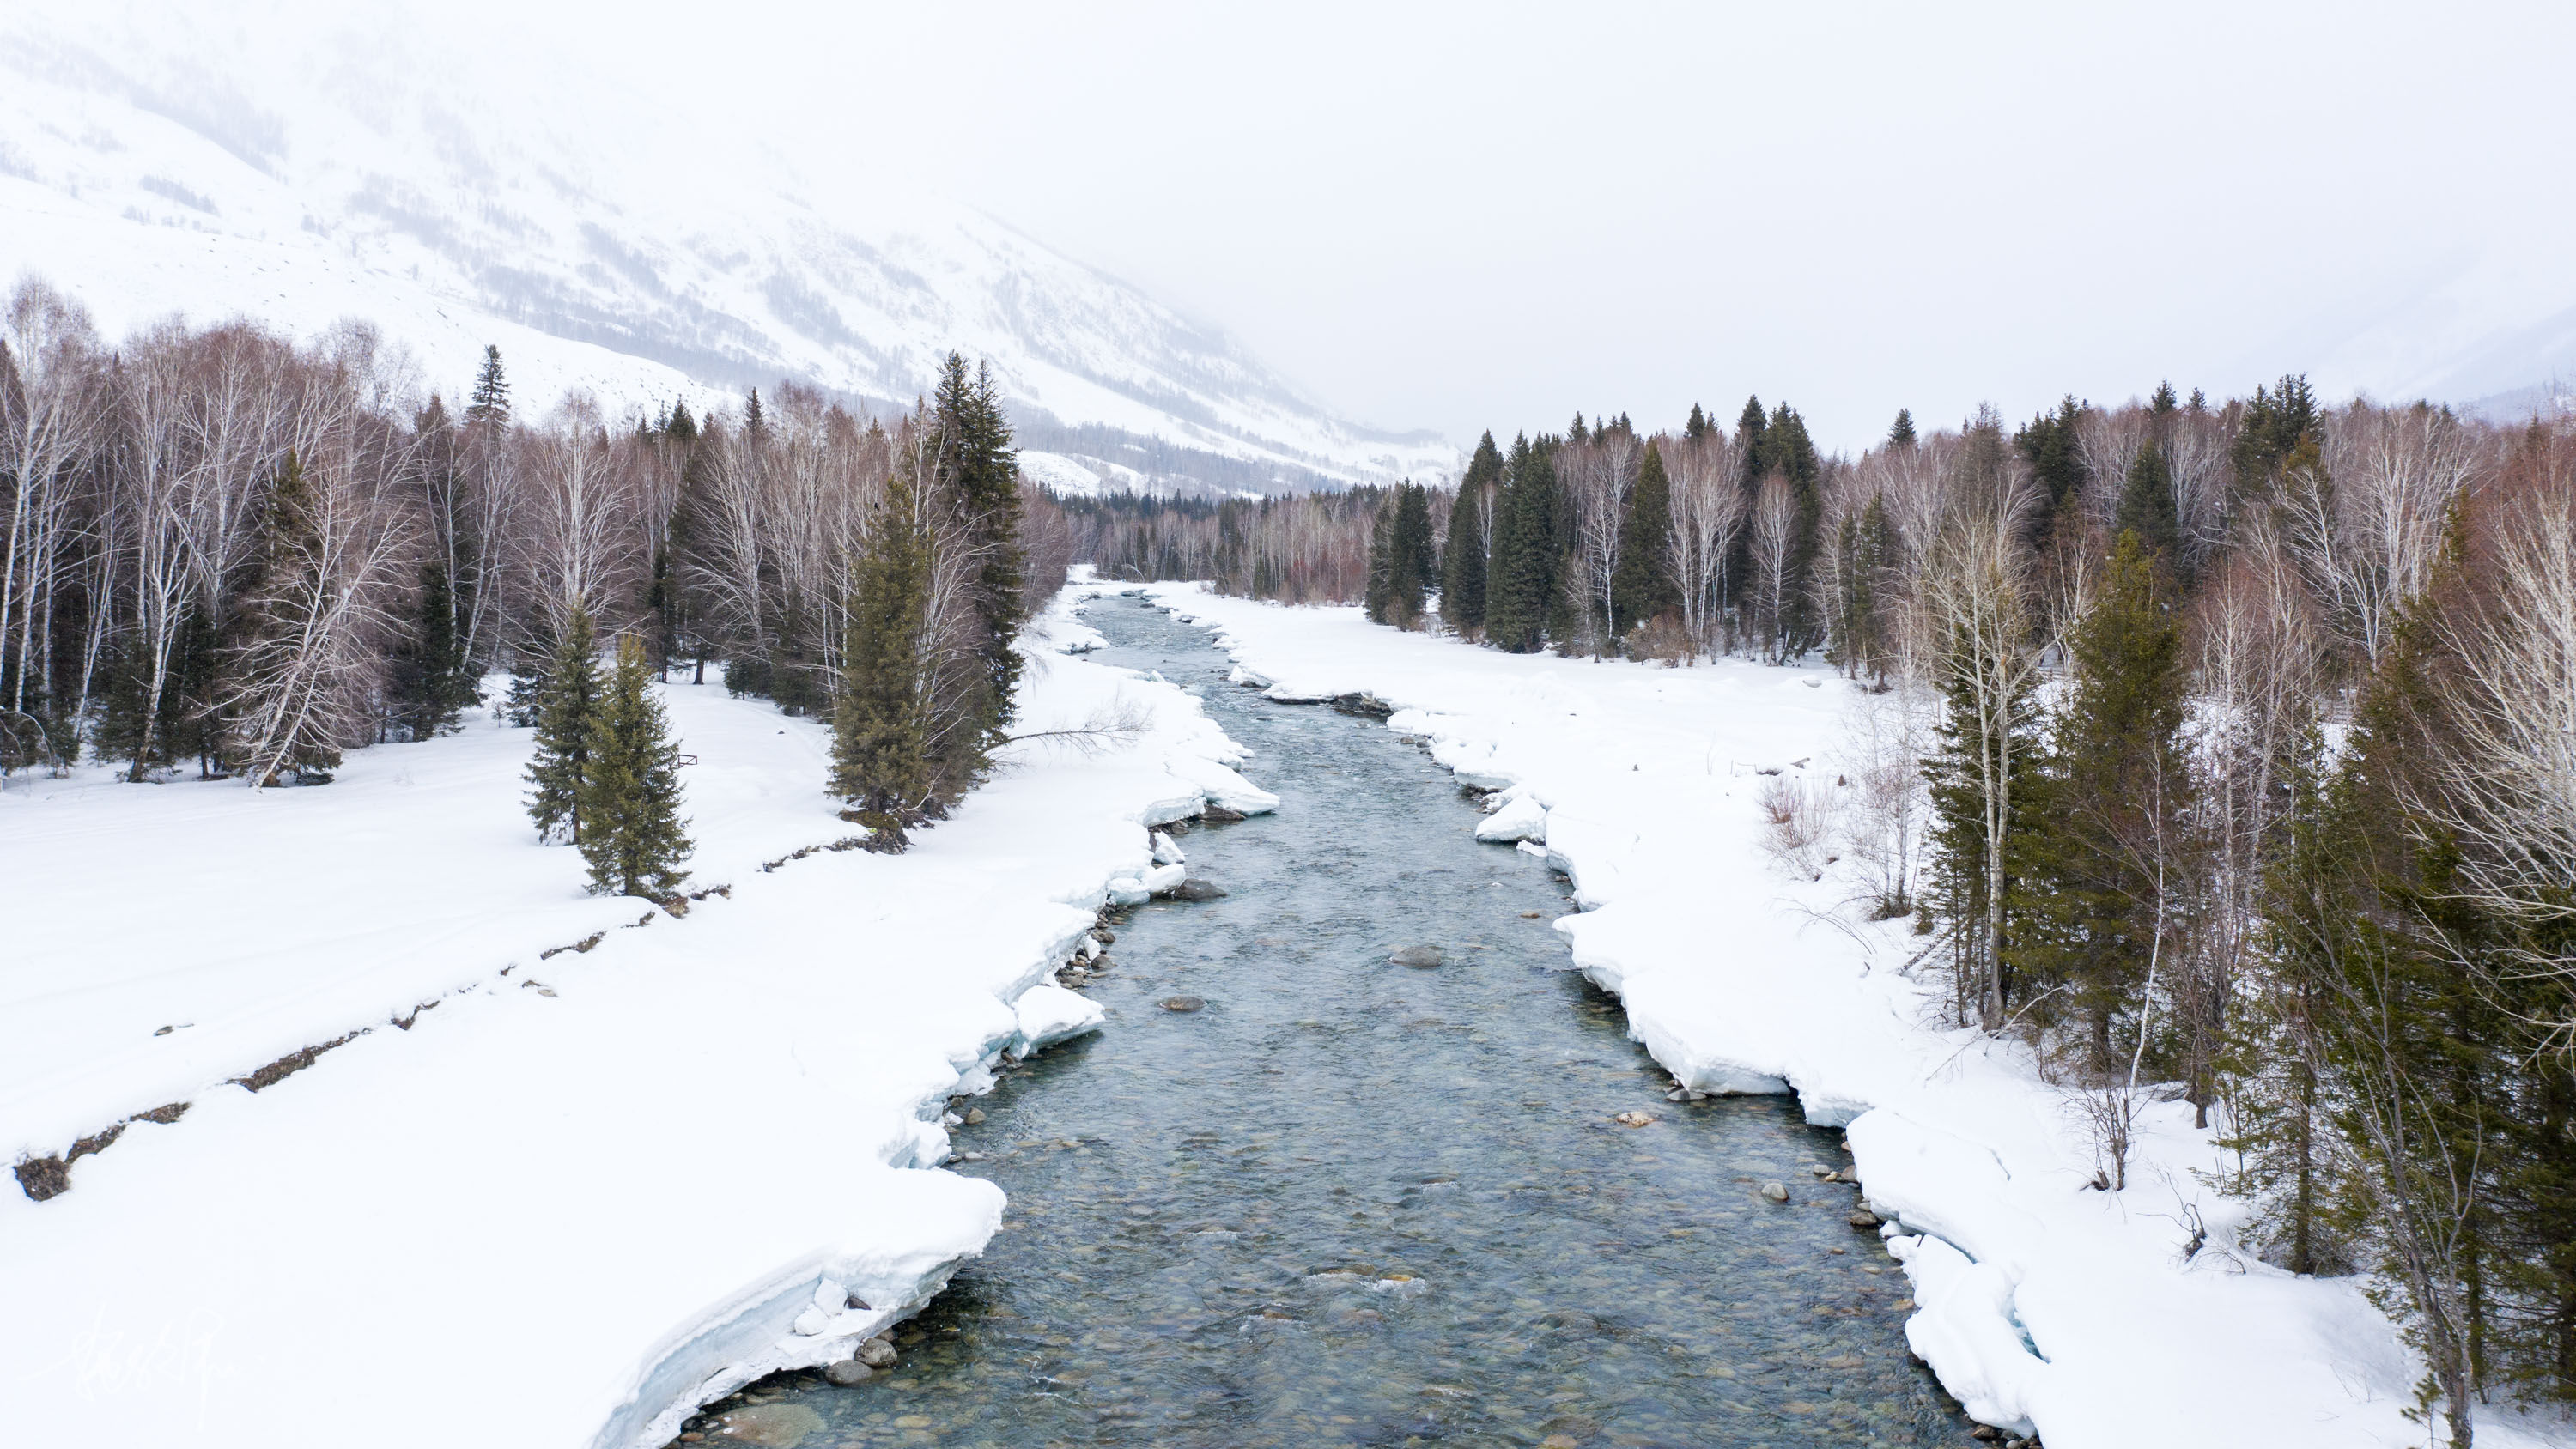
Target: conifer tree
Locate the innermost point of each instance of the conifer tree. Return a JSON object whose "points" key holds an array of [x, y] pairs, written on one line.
{"points": [[1522, 584], [1401, 558], [431, 683], [2147, 506], [2108, 864], [2056, 460], [1697, 426], [566, 706], [881, 726], [981, 471], [1756, 464], [490, 403], [1901, 435], [1465, 566], [631, 831], [1642, 585]]}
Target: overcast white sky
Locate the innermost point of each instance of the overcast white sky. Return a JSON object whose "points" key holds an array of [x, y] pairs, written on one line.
{"points": [[1471, 216]]}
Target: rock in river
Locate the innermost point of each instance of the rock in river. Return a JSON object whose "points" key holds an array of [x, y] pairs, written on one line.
{"points": [[848, 1372], [1417, 956], [1197, 890], [1182, 1003], [1775, 1192], [772, 1426]]}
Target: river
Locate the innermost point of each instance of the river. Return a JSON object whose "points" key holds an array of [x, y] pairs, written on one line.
{"points": [[1351, 1202]]}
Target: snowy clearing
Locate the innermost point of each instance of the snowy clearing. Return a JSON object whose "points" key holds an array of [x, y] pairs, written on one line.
{"points": [[2043, 1303], [579, 1197]]}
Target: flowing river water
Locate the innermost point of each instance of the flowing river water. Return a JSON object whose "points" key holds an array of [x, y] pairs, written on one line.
{"points": [[1348, 1202]]}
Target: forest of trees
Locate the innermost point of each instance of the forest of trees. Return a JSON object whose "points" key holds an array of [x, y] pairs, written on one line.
{"points": [[231, 554], [2224, 753]]}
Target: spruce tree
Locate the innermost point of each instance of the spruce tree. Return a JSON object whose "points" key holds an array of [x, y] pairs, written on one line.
{"points": [[1464, 568], [1642, 586], [2056, 461], [565, 708], [881, 728], [490, 404], [1522, 585], [1901, 435], [430, 683], [2110, 859], [981, 471], [1697, 426], [2147, 506], [631, 831], [1756, 461], [1379, 593]]}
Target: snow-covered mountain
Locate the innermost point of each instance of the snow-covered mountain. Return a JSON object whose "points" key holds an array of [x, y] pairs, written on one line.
{"points": [[142, 171]]}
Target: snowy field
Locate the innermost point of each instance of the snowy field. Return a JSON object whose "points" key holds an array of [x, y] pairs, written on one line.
{"points": [[583, 1192], [2043, 1303]]}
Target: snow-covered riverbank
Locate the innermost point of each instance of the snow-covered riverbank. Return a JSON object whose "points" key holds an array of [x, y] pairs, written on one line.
{"points": [[586, 1190], [2044, 1304]]}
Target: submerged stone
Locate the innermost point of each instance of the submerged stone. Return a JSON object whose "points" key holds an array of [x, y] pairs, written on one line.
{"points": [[1417, 956]]}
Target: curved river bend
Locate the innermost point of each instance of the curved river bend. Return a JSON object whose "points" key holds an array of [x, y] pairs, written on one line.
{"points": [[1351, 1202]]}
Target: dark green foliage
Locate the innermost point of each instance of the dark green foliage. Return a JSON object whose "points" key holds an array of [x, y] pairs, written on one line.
{"points": [[430, 682], [881, 724], [2147, 506], [1465, 565], [2271, 428], [1787, 451], [2049, 444], [2104, 873], [981, 474], [754, 418], [1901, 433], [1643, 587], [1401, 565], [1521, 587], [629, 804], [1982, 780], [490, 405], [678, 426], [2163, 404], [1697, 426], [1865, 555], [568, 703], [1749, 426]]}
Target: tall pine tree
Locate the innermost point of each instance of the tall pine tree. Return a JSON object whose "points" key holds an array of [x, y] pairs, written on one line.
{"points": [[881, 725], [1642, 586], [1465, 565], [982, 476], [490, 405], [1522, 583], [631, 832], [566, 705]]}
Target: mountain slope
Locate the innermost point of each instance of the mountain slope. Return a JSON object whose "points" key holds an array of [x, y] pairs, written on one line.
{"points": [[136, 173]]}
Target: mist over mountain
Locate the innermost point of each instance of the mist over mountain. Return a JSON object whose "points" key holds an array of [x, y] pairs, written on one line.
{"points": [[159, 168]]}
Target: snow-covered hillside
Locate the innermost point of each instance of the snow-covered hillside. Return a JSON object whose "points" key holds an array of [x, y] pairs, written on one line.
{"points": [[145, 169]]}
